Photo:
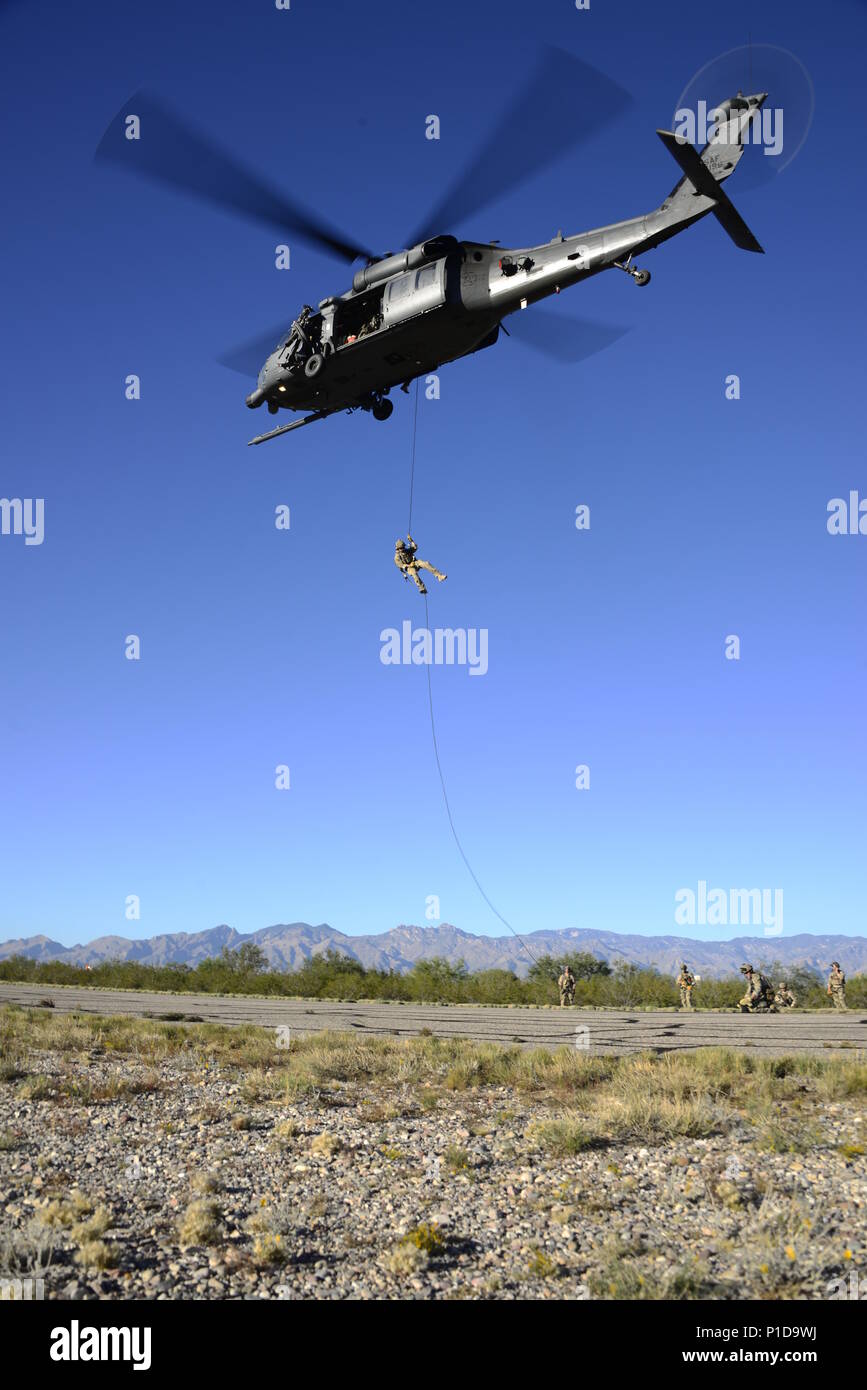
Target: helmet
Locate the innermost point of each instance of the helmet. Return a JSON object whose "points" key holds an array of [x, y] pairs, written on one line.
{"points": [[683, 965], [746, 969], [398, 543], [837, 963]]}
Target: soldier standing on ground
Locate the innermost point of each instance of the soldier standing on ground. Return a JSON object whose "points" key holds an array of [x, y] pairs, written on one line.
{"points": [[685, 982], [837, 985], [566, 986]]}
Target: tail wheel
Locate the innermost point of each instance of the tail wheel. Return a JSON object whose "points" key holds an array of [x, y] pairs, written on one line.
{"points": [[382, 409], [314, 365], [642, 277]]}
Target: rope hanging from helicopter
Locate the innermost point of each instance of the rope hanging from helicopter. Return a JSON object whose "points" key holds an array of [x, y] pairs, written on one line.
{"points": [[412, 465], [452, 827]]}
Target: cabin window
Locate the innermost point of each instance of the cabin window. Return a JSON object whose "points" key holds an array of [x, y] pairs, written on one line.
{"points": [[400, 288]]}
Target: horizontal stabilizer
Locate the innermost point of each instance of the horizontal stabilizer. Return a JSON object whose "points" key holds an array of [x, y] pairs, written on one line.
{"points": [[704, 182]]}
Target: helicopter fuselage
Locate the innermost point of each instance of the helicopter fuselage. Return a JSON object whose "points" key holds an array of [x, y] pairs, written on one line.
{"points": [[386, 331]]}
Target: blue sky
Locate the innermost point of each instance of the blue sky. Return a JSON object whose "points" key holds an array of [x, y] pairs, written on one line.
{"points": [[259, 647]]}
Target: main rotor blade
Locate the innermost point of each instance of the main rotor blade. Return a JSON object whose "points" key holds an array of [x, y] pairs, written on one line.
{"points": [[562, 104], [170, 152], [567, 340], [248, 357]]}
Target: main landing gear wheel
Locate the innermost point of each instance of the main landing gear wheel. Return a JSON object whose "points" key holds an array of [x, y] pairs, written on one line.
{"points": [[380, 410], [314, 365], [642, 277]]}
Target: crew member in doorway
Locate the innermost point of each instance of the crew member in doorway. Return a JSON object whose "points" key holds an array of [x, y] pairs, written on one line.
{"points": [[298, 343]]}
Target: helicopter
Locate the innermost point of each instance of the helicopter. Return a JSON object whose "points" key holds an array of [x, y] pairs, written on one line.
{"points": [[408, 313]]}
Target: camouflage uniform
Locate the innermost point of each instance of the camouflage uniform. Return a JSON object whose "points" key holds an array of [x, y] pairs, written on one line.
{"points": [[759, 998], [837, 985], [566, 986], [784, 998], [685, 982], [407, 561]]}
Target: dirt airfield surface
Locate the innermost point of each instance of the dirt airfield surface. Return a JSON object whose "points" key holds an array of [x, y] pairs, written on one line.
{"points": [[612, 1032]]}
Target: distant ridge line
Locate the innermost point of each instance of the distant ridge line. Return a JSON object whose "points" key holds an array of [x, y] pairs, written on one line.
{"points": [[288, 946]]}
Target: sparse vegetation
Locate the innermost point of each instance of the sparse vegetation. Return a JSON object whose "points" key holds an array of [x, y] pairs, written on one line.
{"points": [[81, 1224], [622, 1276], [644, 1093]]}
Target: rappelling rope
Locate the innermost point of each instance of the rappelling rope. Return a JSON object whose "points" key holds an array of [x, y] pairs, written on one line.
{"points": [[470, 869], [412, 465]]}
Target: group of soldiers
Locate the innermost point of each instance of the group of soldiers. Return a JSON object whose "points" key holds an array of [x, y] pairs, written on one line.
{"points": [[760, 996]]}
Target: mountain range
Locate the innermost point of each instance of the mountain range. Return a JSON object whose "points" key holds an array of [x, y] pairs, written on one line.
{"points": [[287, 947]]}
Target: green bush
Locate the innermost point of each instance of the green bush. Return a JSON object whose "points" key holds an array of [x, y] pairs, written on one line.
{"points": [[548, 969]]}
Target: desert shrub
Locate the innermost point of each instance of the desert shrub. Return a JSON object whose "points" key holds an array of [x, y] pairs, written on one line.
{"points": [[333, 975]]}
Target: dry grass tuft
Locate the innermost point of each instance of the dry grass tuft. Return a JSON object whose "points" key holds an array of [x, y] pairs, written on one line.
{"points": [[326, 1145], [200, 1223]]}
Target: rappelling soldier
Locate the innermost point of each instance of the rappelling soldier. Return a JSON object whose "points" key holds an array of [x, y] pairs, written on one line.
{"points": [[685, 982], [407, 561], [837, 985], [566, 986]]}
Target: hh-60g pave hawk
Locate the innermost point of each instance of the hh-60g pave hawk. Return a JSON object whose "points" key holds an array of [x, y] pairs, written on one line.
{"points": [[410, 312]]}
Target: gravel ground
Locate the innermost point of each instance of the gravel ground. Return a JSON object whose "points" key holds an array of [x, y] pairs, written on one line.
{"points": [[313, 1198]]}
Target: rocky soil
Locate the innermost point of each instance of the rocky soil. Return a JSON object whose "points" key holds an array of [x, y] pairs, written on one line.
{"points": [[184, 1181]]}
